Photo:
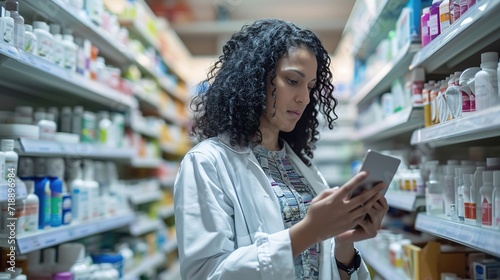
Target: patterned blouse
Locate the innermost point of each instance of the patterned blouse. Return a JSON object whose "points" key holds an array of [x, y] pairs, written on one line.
{"points": [[294, 194]]}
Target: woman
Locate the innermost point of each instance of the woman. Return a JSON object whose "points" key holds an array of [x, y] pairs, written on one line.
{"points": [[248, 202]]}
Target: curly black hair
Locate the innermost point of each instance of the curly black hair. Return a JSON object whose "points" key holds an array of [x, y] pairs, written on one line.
{"points": [[233, 102]]}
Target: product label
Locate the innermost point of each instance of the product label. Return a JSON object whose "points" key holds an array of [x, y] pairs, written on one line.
{"points": [[31, 217], [19, 33], [417, 88], [444, 21], [433, 25], [29, 45], [486, 212], [69, 58], [8, 32], [464, 6], [496, 215], [471, 3], [465, 102], [44, 48], [46, 209], [56, 209], [57, 54]]}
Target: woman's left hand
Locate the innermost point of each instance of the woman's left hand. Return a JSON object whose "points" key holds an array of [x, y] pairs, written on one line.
{"points": [[368, 227]]}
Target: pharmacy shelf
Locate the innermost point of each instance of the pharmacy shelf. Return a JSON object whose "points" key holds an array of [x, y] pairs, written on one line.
{"points": [[148, 264], [472, 32], [382, 81], [482, 239], [145, 197], [50, 237], [378, 262], [167, 211], [68, 16], [168, 182], [173, 273], [140, 33], [172, 89], [404, 121], [368, 35], [142, 226], [49, 81], [170, 246], [141, 127], [138, 162], [475, 126], [149, 104], [49, 148], [405, 200]]}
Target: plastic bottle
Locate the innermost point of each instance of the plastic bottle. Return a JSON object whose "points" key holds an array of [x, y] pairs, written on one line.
{"points": [[461, 196], [464, 6], [476, 194], [48, 127], [70, 52], [27, 174], [434, 26], [8, 29], [498, 80], [444, 15], [76, 124], [469, 201], [44, 39], [10, 174], [104, 128], [434, 102], [468, 97], [72, 258], [433, 193], [449, 188], [80, 194], [88, 134], [456, 10], [30, 42], [93, 189], [55, 171], [65, 119], [424, 27], [486, 83], [486, 199], [426, 103], [492, 163], [42, 190], [49, 259], [496, 200], [57, 45], [118, 129], [13, 8]]}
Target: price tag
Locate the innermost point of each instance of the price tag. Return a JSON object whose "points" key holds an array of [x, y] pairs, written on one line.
{"points": [[29, 59], [41, 146], [9, 50]]}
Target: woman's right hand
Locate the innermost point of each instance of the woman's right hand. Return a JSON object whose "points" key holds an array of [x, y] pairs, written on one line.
{"points": [[333, 212]]}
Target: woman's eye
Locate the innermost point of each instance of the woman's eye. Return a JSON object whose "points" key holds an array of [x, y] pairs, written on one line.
{"points": [[292, 82]]}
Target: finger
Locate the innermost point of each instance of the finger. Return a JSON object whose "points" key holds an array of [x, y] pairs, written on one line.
{"points": [[348, 187], [368, 194], [324, 194]]}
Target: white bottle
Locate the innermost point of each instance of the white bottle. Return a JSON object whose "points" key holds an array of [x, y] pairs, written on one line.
{"points": [[486, 82], [93, 189], [70, 52], [11, 157], [449, 189], [94, 9], [486, 199], [72, 258], [57, 45], [433, 193], [13, 8], [11, 160], [30, 43], [496, 200], [80, 195], [44, 39], [49, 259], [47, 127], [444, 16], [27, 174], [8, 29], [104, 129]]}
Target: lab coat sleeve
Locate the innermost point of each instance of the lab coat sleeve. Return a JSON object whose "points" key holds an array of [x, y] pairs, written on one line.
{"points": [[206, 234]]}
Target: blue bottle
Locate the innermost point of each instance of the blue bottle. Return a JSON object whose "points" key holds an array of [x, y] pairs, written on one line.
{"points": [[42, 190], [55, 171]]}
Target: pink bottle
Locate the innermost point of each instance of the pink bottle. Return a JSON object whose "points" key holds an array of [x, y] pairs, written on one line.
{"points": [[424, 27], [434, 28], [456, 9]]}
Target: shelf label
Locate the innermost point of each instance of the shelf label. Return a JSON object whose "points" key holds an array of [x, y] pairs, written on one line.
{"points": [[9, 50], [40, 146], [43, 64]]}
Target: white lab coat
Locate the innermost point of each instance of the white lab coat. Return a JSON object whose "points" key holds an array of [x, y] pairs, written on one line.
{"points": [[228, 219]]}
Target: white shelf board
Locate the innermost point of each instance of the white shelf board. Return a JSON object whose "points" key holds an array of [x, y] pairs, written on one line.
{"points": [[404, 121], [49, 148], [173, 273], [141, 34], [473, 31], [475, 126], [382, 81], [379, 262], [53, 82], [404, 200], [145, 162], [167, 211], [142, 226], [144, 197], [79, 22], [29, 242], [144, 129], [170, 246], [151, 262], [486, 240]]}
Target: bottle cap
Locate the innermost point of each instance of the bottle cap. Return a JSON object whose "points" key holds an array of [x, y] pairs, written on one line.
{"points": [[55, 28], [7, 145], [28, 27], [62, 276], [489, 57], [496, 178], [12, 6], [41, 25], [425, 10], [493, 162]]}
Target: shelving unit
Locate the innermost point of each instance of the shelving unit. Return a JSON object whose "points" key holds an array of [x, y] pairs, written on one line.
{"points": [[145, 197], [381, 264], [167, 212], [482, 239], [50, 237], [146, 265], [145, 162], [405, 200], [142, 226], [475, 126]]}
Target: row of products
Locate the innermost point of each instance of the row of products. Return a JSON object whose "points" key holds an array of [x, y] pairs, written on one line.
{"points": [[466, 191], [473, 90], [68, 124], [438, 17]]}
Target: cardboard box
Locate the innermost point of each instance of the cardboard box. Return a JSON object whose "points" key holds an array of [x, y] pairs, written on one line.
{"points": [[486, 270]]}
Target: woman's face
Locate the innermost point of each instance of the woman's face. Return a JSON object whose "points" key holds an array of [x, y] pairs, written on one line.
{"points": [[295, 77]]}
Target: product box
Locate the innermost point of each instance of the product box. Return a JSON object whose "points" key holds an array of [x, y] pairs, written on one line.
{"points": [[429, 261], [488, 269]]}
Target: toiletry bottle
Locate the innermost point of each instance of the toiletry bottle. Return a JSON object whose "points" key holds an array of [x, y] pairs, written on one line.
{"points": [[44, 39], [461, 192], [30, 43], [426, 103], [88, 134], [464, 6], [467, 92], [496, 199], [486, 199], [55, 167], [433, 193], [42, 190], [70, 52], [475, 192], [27, 174], [80, 194], [93, 189], [49, 259], [57, 45], [76, 123], [418, 81], [444, 15], [8, 29], [424, 27], [72, 258], [13, 8], [449, 188], [48, 127], [104, 128], [434, 28], [492, 163], [434, 102], [10, 174], [486, 82], [469, 199]]}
